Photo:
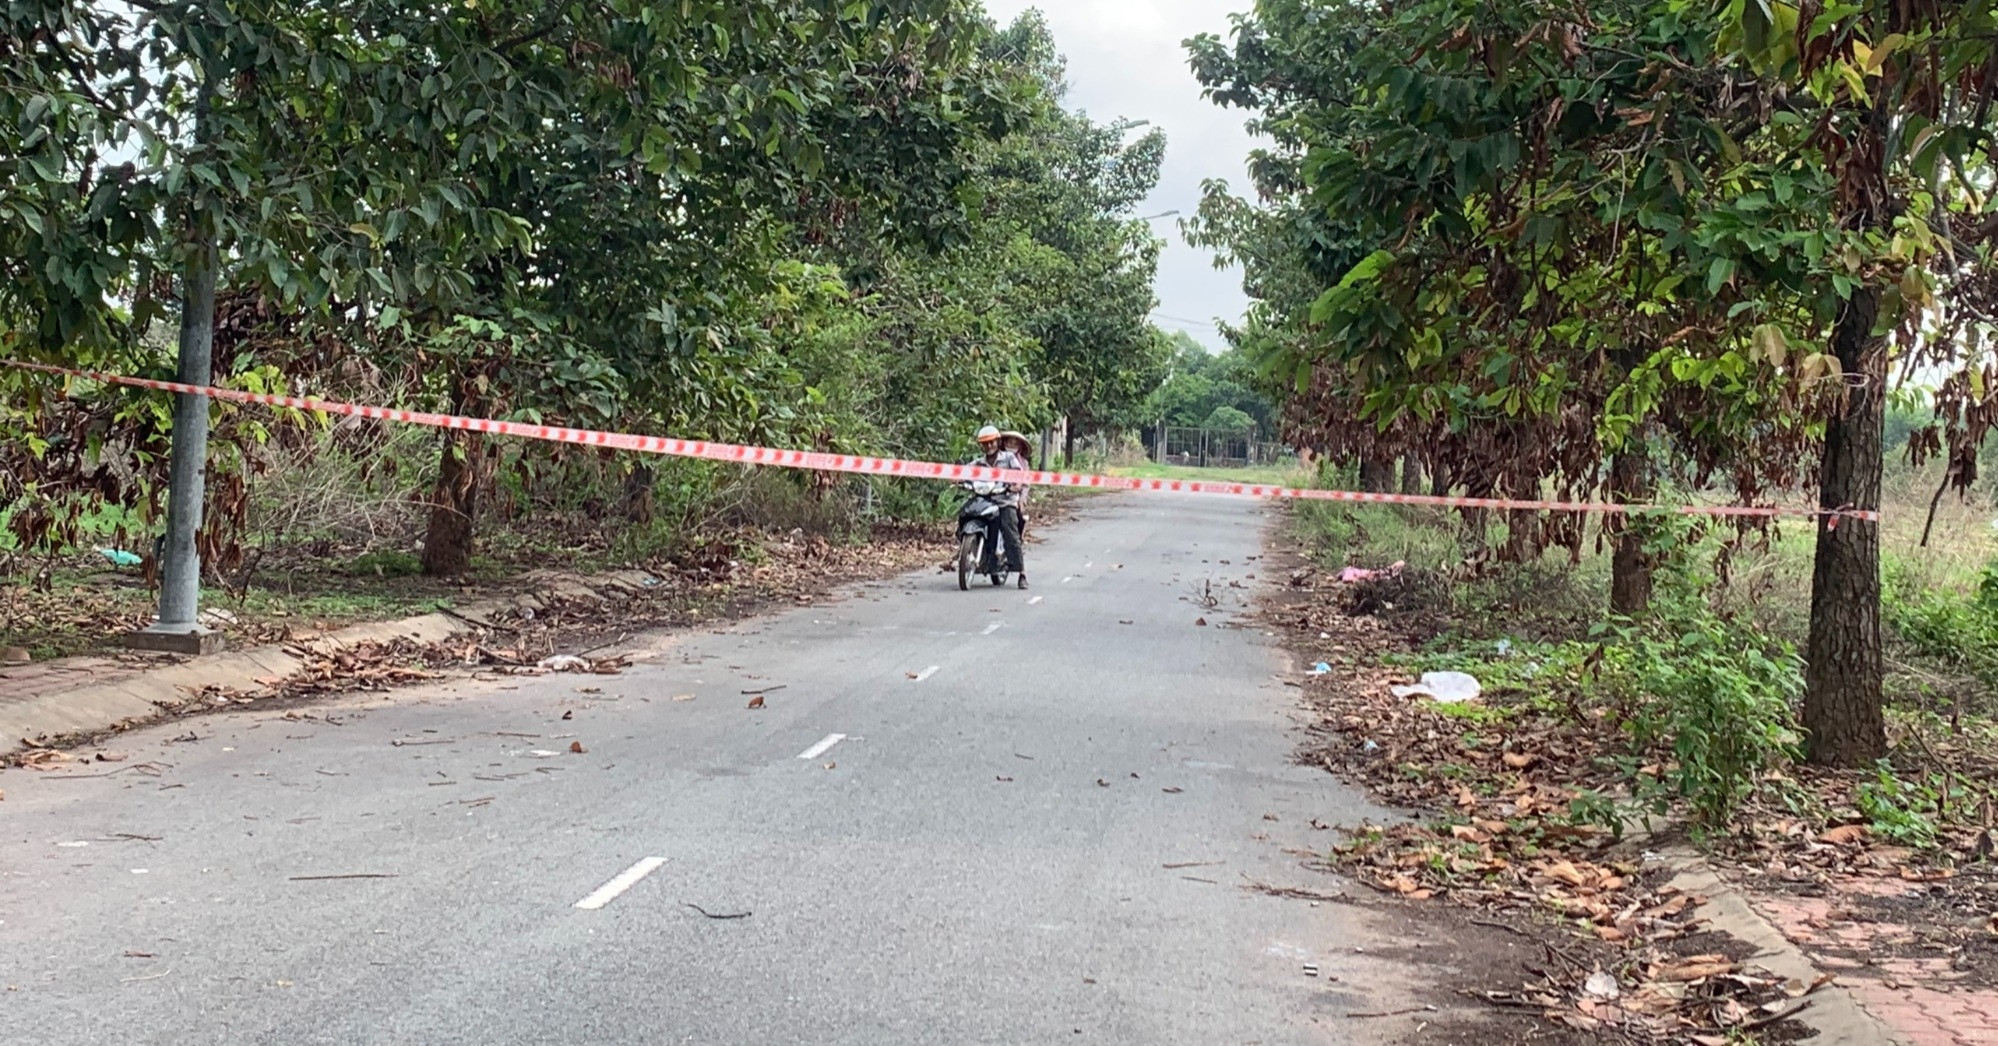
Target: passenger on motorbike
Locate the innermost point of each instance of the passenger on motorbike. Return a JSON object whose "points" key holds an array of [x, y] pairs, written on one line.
{"points": [[997, 456]]}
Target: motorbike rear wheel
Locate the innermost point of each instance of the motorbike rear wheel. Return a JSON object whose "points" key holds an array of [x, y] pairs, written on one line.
{"points": [[967, 560]]}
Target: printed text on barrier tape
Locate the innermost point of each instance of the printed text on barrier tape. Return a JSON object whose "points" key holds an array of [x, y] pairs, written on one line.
{"points": [[827, 462]]}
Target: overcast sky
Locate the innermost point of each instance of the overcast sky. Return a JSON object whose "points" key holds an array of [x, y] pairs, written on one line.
{"points": [[1125, 59]]}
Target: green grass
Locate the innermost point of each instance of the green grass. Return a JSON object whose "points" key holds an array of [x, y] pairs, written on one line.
{"points": [[1277, 475], [1773, 582], [1377, 535], [1762, 578]]}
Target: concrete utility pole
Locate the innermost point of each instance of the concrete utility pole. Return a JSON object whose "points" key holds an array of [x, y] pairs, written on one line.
{"points": [[179, 629]]}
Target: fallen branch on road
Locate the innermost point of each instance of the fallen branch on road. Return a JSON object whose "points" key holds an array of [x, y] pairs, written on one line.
{"points": [[1296, 893], [715, 915]]}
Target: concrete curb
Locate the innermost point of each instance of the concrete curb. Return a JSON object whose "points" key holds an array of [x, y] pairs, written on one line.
{"points": [[155, 692], [1833, 1012]]}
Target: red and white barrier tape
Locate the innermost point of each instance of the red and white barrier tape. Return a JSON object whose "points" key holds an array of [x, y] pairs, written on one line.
{"points": [[824, 462]]}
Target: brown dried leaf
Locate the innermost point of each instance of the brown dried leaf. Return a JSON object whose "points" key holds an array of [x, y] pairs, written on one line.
{"points": [[1695, 968], [1566, 872]]}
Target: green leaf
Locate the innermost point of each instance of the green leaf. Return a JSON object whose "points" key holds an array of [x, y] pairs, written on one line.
{"points": [[1367, 268], [1718, 273], [1755, 21]]}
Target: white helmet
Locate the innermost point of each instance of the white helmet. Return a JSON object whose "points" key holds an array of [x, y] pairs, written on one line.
{"points": [[988, 434]]}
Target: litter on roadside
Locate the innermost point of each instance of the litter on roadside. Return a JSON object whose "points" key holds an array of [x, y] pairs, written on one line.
{"points": [[1446, 688], [1351, 575]]}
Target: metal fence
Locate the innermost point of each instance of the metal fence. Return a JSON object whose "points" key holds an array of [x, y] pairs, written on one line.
{"points": [[1174, 445]]}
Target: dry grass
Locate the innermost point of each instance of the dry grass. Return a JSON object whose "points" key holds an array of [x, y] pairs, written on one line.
{"points": [[1765, 575]]}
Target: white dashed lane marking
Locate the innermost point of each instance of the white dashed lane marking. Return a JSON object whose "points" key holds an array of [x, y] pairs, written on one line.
{"points": [[819, 749], [625, 880]]}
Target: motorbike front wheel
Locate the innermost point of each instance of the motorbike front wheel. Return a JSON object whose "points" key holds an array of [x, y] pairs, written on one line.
{"points": [[967, 560]]}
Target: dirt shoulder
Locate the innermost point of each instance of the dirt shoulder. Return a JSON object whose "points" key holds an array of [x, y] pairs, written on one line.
{"points": [[1566, 930]]}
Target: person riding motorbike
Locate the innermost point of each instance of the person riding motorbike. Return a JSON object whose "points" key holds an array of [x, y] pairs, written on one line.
{"points": [[998, 456]]}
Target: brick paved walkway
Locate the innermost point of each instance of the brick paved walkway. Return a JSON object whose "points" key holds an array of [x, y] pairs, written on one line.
{"points": [[1920, 999]]}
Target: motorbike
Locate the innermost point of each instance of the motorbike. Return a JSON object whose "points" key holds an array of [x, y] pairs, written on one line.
{"points": [[978, 535]]}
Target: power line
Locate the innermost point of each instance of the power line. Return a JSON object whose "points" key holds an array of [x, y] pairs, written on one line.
{"points": [[1182, 319]]}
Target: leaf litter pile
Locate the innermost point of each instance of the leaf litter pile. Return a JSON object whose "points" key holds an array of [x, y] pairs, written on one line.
{"points": [[1502, 780], [536, 638]]}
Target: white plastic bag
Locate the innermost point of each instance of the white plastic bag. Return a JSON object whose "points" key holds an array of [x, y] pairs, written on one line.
{"points": [[1446, 688]]}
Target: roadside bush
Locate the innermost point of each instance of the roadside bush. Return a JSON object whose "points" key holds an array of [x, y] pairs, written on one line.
{"points": [[1946, 627], [386, 563], [917, 500], [1719, 695], [1898, 809], [1700, 697], [784, 499], [1376, 535], [347, 484]]}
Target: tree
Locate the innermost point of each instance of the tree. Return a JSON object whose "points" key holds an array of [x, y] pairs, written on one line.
{"points": [[1035, 306], [1070, 184], [863, 118], [1474, 249], [1198, 382], [518, 203], [1886, 110], [1540, 242], [226, 142], [804, 223], [1228, 419]]}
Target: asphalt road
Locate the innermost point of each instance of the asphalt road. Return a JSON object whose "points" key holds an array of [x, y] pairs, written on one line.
{"points": [[985, 817]]}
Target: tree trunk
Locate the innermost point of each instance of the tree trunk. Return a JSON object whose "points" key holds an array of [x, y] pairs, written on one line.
{"points": [[1630, 565], [1843, 717], [1377, 475], [447, 546], [638, 494], [1068, 444], [1476, 537], [1439, 482], [1412, 478], [1522, 536]]}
